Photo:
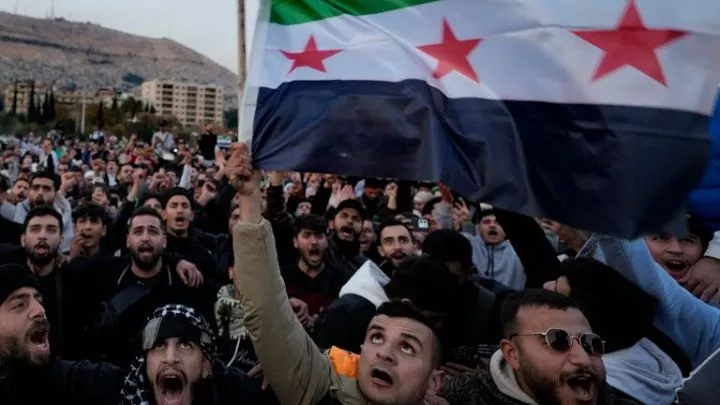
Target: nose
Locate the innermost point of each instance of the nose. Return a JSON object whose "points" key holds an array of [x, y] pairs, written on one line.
{"points": [[385, 354], [577, 355], [674, 246], [395, 246], [37, 311], [171, 356]]}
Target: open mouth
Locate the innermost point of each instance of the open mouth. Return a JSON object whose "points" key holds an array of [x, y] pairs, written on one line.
{"points": [[676, 267], [180, 220], [41, 248], [583, 385], [172, 388], [381, 378], [398, 256], [39, 336], [492, 232], [145, 249], [346, 232], [314, 253]]}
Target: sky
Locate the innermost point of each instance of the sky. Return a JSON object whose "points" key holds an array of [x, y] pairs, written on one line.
{"points": [[207, 26]]}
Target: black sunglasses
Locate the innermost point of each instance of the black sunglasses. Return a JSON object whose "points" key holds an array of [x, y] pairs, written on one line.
{"points": [[561, 341]]}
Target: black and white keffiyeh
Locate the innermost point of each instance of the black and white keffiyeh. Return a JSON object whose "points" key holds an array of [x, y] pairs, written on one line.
{"points": [[135, 390]]}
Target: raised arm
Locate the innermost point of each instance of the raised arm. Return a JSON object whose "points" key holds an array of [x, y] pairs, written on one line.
{"points": [[294, 366]]}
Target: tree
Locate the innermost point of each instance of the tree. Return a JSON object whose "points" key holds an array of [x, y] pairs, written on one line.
{"points": [[45, 116], [114, 104], [99, 120], [231, 118], [51, 105], [152, 110], [31, 111], [147, 107], [39, 113], [13, 109]]}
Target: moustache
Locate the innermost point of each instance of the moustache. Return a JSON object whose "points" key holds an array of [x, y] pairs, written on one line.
{"points": [[347, 229], [43, 245], [41, 326]]}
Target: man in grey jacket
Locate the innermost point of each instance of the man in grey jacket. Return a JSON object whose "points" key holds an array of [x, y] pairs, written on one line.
{"points": [[44, 190]]}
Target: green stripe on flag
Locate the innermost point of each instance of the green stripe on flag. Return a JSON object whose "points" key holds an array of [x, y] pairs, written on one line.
{"points": [[289, 12]]}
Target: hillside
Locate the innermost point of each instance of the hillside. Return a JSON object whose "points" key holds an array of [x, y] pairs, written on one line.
{"points": [[73, 54]]}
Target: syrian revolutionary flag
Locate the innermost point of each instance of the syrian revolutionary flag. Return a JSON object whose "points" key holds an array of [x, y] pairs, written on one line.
{"points": [[594, 113]]}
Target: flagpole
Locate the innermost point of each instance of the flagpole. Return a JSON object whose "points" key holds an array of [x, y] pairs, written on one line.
{"points": [[242, 66]]}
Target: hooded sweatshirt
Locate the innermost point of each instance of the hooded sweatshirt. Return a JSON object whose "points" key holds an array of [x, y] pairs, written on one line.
{"points": [[500, 387], [693, 325], [498, 262]]}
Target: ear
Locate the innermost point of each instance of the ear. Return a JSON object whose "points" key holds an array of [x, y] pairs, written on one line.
{"points": [[164, 240], [22, 240], [295, 242], [331, 225], [206, 369], [434, 383], [164, 215], [380, 251], [510, 353], [192, 215], [104, 230]]}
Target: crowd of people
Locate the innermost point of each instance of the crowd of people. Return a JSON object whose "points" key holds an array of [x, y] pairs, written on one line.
{"points": [[166, 272]]}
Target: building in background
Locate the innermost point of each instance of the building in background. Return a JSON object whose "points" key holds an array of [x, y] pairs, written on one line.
{"points": [[192, 104], [23, 96]]}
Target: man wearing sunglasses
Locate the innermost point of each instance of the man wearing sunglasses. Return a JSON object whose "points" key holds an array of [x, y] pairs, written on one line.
{"points": [[548, 356]]}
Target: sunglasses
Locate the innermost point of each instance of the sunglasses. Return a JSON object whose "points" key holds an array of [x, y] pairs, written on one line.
{"points": [[561, 341]]}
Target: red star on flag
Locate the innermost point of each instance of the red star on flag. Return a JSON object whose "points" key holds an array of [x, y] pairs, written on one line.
{"points": [[452, 54], [310, 56], [632, 43]]}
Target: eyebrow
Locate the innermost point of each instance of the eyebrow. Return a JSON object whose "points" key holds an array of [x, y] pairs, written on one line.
{"points": [[412, 337], [408, 336]]}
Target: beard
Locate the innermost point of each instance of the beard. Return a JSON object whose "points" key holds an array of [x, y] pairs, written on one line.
{"points": [[41, 259], [17, 354], [12, 351], [37, 202], [542, 388], [143, 261]]}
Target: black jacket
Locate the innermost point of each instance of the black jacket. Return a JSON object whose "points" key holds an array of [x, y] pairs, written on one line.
{"points": [[344, 323], [61, 382]]}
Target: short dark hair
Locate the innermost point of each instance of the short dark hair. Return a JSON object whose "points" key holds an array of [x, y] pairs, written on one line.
{"points": [[426, 282], [535, 298], [449, 246], [175, 191], [19, 179], [405, 309], [310, 222], [430, 206], [394, 222], [91, 211], [43, 211], [144, 212], [481, 213], [46, 175], [150, 196]]}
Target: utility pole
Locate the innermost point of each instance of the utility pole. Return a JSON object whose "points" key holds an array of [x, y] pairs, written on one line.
{"points": [[242, 73], [82, 113], [242, 69]]}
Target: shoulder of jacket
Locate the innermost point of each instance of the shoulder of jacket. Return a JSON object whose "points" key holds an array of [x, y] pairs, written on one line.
{"points": [[343, 362]]}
